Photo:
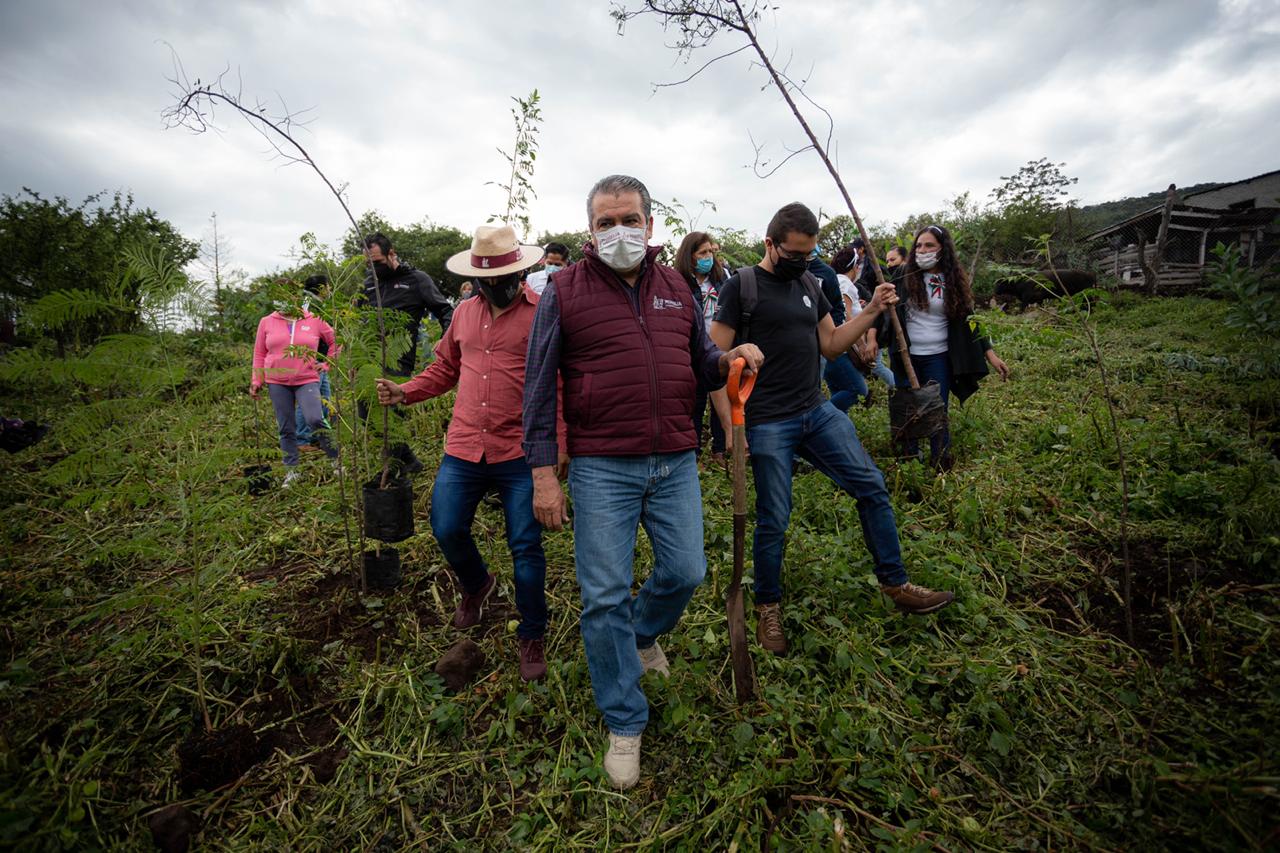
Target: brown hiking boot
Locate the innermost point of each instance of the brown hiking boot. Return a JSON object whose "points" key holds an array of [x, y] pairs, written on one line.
{"points": [[769, 628], [911, 598], [308, 448], [468, 612], [533, 661]]}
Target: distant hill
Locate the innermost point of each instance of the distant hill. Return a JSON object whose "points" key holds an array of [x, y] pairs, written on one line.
{"points": [[1097, 216]]}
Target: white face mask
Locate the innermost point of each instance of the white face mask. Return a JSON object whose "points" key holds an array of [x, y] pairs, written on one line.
{"points": [[927, 260], [621, 247]]}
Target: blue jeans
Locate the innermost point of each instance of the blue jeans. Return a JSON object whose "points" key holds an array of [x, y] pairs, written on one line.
{"points": [[828, 440], [938, 368], [847, 384], [883, 373], [611, 496], [300, 425], [306, 399], [458, 489]]}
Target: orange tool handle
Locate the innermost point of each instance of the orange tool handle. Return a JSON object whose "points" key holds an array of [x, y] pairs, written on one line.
{"points": [[739, 389]]}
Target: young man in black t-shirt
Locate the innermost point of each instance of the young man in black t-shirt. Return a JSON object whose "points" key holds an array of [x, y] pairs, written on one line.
{"points": [[787, 414]]}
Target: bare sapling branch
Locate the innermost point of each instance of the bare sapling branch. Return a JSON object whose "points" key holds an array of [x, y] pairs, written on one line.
{"points": [[195, 110], [698, 22]]}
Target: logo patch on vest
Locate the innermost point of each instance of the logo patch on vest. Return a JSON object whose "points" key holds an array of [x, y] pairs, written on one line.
{"points": [[659, 303], [807, 303]]}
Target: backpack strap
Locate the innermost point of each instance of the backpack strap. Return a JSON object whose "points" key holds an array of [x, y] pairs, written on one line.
{"points": [[748, 296]]}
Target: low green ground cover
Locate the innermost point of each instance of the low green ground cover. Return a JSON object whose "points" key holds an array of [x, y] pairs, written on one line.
{"points": [[1018, 718]]}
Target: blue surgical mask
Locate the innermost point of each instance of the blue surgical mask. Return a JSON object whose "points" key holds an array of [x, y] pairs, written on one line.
{"points": [[550, 268], [704, 265]]}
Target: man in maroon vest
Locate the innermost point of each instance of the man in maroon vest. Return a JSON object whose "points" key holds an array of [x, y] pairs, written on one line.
{"points": [[631, 344]]}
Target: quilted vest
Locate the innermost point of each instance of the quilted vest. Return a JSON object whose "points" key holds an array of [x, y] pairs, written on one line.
{"points": [[628, 374]]}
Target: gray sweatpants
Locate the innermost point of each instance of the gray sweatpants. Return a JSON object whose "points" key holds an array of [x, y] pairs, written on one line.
{"points": [[307, 398]]}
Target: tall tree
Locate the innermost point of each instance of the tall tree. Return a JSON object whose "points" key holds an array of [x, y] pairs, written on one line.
{"points": [[52, 245], [215, 262]]}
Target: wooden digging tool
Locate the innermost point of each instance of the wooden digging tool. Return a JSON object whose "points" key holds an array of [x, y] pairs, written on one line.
{"points": [[744, 676]]}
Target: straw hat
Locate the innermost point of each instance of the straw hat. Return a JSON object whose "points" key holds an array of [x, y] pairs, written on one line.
{"points": [[494, 251]]}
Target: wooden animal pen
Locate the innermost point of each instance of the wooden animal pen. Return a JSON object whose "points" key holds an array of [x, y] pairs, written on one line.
{"points": [[1175, 240]]}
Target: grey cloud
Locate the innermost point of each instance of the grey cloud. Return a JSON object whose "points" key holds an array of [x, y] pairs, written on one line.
{"points": [[929, 100]]}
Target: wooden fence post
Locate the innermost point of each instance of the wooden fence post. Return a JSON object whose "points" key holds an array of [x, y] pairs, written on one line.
{"points": [[1151, 271]]}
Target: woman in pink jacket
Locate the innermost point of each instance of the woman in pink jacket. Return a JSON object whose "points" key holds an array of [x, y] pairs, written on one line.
{"points": [[293, 380]]}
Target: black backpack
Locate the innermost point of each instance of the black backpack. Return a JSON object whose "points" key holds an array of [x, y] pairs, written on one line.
{"points": [[749, 296]]}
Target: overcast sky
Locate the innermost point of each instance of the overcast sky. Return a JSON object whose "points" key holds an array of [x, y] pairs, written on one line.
{"points": [[409, 101]]}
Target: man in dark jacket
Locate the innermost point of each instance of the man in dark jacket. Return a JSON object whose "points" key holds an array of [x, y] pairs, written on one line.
{"points": [[404, 289], [630, 343]]}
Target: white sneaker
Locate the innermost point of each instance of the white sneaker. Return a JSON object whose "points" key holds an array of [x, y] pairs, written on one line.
{"points": [[292, 476], [622, 761], [653, 658]]}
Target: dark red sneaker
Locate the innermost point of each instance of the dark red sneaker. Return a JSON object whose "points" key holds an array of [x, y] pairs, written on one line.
{"points": [[469, 608], [533, 661]]}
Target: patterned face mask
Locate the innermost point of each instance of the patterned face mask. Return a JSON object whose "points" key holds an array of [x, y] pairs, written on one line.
{"points": [[500, 291], [621, 247]]}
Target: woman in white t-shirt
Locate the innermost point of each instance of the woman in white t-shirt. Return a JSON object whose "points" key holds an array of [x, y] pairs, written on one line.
{"points": [[945, 345]]}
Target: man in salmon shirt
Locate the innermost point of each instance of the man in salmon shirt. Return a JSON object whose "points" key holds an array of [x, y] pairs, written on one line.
{"points": [[292, 380], [482, 354]]}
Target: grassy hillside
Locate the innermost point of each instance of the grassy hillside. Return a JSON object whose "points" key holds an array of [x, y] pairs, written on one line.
{"points": [[1015, 719], [1093, 217]]}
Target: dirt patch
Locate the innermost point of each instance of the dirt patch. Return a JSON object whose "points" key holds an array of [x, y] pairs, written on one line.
{"points": [[310, 723], [313, 731], [208, 760], [1169, 591], [300, 716], [324, 764], [276, 571], [172, 828], [332, 610], [460, 664]]}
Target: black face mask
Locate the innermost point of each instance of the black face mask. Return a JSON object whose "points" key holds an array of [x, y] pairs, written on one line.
{"points": [[789, 269], [382, 270], [500, 291]]}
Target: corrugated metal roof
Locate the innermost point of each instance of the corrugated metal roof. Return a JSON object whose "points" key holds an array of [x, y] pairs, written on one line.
{"points": [[1233, 184]]}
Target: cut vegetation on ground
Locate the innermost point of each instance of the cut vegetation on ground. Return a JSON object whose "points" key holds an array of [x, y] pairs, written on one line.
{"points": [[1017, 718]]}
